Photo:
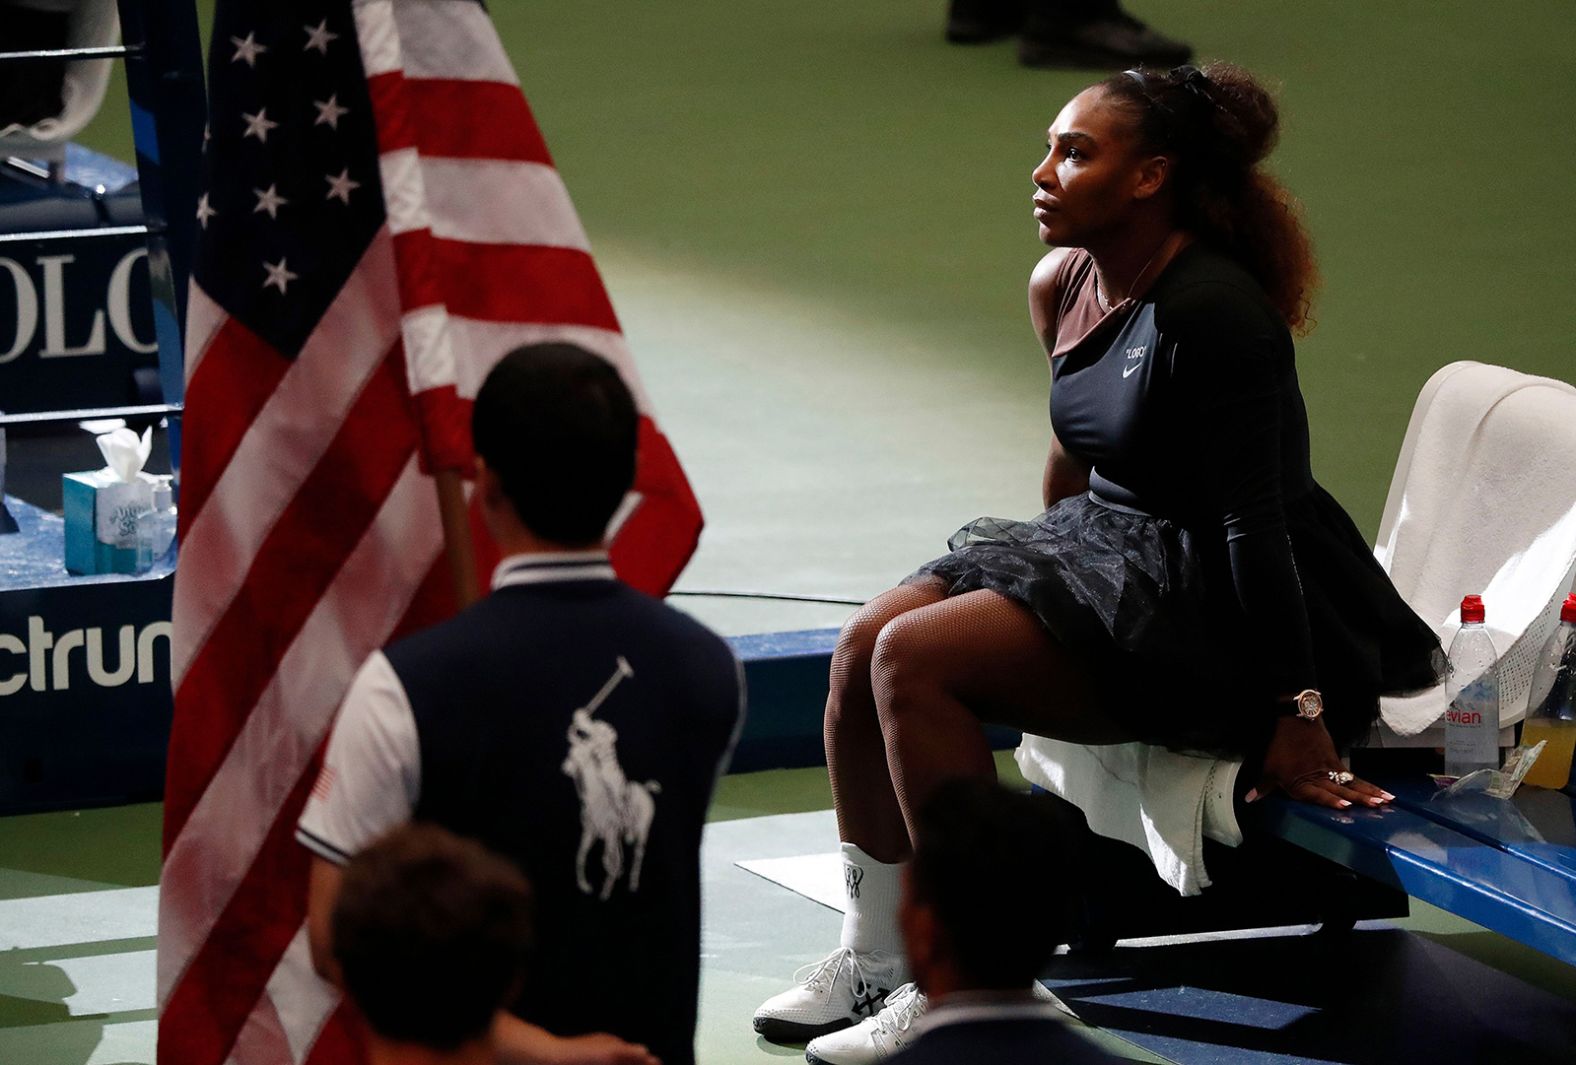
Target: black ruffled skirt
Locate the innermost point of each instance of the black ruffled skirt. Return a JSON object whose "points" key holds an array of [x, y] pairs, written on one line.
{"points": [[1150, 605]]}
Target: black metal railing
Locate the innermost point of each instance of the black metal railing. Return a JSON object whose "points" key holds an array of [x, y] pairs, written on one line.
{"points": [[113, 51], [89, 414]]}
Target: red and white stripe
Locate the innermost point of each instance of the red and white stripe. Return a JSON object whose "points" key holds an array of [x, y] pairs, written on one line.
{"points": [[310, 533]]}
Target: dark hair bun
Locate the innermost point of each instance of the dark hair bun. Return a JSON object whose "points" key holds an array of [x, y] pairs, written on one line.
{"points": [[1246, 118]]}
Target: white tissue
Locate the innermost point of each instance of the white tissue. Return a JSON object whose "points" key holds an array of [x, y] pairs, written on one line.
{"points": [[124, 491], [125, 454]]}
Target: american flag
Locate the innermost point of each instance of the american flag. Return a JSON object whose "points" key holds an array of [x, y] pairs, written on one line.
{"points": [[380, 222]]}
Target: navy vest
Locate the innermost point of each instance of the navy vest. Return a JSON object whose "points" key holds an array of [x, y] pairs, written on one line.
{"points": [[577, 728]]}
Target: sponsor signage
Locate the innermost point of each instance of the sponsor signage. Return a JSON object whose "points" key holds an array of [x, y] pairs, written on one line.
{"points": [[44, 661], [84, 693], [76, 321]]}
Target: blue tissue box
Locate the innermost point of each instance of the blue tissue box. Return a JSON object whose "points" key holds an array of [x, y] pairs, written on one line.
{"points": [[101, 520]]}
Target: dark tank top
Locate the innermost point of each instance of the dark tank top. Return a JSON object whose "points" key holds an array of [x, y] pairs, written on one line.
{"points": [[1185, 404]]}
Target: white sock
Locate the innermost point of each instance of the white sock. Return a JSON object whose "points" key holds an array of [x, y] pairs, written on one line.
{"points": [[870, 921]]}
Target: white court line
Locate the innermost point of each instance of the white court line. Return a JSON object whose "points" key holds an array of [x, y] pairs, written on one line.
{"points": [[91, 986], [818, 877], [126, 1043], [82, 917], [93, 989]]}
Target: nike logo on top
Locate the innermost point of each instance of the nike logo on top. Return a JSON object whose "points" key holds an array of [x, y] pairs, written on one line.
{"points": [[1135, 359]]}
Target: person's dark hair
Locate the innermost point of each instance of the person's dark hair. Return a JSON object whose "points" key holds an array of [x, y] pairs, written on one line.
{"points": [[1219, 124], [991, 864], [431, 933], [558, 426]]}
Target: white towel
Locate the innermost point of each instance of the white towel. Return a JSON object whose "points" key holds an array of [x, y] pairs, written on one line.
{"points": [[1483, 501], [1161, 802]]}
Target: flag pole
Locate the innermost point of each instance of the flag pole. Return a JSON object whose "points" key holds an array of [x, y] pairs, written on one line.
{"points": [[457, 545]]}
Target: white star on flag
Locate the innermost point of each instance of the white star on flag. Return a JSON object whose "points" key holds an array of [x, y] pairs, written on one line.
{"points": [[339, 188], [318, 37], [204, 211], [329, 111], [247, 50], [258, 125], [279, 275], [269, 200]]}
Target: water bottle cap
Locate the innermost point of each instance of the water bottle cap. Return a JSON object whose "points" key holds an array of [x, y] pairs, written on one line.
{"points": [[1568, 611], [1472, 609]]}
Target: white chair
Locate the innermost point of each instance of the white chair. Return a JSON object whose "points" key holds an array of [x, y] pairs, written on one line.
{"points": [[1483, 500]]}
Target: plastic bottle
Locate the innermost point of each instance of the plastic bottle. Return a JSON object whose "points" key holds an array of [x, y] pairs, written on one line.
{"points": [[1472, 722], [156, 527], [1551, 710], [164, 514]]}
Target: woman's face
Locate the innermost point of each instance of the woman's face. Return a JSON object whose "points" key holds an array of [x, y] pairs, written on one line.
{"points": [[1092, 172]]}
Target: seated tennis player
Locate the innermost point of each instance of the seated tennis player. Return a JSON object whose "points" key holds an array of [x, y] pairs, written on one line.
{"points": [[1188, 584]]}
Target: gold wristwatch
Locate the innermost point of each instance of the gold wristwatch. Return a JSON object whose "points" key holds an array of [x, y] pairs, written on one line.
{"points": [[1307, 704]]}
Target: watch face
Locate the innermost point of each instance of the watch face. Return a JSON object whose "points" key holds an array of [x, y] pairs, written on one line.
{"points": [[1310, 704]]}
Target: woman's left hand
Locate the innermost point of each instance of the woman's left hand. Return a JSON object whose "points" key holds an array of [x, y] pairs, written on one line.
{"points": [[1301, 760]]}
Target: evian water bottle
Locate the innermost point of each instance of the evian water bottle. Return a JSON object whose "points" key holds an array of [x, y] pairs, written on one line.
{"points": [[1472, 722]]}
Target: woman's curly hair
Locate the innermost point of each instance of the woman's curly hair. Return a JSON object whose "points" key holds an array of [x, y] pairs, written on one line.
{"points": [[1219, 124]]}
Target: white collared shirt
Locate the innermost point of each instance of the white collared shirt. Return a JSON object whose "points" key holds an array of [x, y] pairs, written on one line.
{"points": [[371, 776], [545, 567]]}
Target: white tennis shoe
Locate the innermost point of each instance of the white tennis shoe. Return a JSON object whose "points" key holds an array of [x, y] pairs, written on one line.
{"points": [[841, 989], [889, 1031], [875, 1038]]}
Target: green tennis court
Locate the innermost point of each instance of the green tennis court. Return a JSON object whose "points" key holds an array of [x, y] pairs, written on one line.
{"points": [[814, 221]]}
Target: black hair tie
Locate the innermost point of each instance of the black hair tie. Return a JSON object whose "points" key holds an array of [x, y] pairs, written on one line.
{"points": [[1194, 80]]}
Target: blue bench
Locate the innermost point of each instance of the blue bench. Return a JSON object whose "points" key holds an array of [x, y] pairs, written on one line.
{"points": [[1265, 883], [1508, 865], [787, 674]]}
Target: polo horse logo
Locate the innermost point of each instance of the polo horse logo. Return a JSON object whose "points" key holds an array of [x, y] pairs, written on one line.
{"points": [[613, 811]]}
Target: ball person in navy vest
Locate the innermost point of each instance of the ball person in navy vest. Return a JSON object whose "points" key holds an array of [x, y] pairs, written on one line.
{"points": [[566, 721], [979, 918], [1189, 584]]}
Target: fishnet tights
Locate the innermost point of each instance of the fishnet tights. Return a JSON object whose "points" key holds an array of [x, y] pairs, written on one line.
{"points": [[868, 814], [914, 676]]}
